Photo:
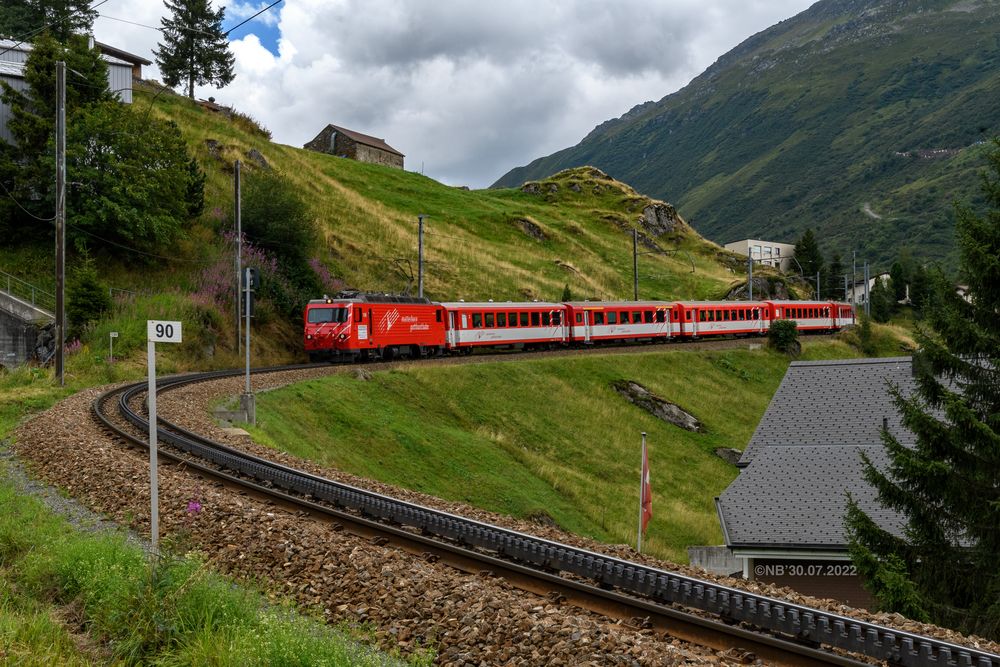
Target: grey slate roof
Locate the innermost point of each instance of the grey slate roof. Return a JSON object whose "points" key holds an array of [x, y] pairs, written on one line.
{"points": [[805, 455], [795, 497], [833, 402]]}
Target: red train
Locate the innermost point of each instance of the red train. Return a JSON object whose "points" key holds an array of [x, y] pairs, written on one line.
{"points": [[366, 326]]}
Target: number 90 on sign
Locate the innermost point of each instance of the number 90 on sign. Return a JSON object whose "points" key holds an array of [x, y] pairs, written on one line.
{"points": [[158, 331]]}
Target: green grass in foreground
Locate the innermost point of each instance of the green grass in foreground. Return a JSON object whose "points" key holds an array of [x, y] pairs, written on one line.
{"points": [[123, 611], [543, 438]]}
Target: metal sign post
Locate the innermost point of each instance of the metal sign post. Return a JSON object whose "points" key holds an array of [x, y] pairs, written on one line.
{"points": [[156, 332], [250, 284], [111, 346]]}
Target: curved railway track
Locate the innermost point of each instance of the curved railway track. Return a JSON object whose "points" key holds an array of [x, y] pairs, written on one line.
{"points": [[700, 611]]}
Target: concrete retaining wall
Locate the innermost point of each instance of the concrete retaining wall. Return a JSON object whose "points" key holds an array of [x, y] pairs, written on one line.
{"points": [[718, 560]]}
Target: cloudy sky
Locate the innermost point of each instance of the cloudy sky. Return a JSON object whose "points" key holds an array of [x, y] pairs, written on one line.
{"points": [[466, 89]]}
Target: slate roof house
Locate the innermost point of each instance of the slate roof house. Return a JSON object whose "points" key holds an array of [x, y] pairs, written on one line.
{"points": [[342, 142], [784, 515], [123, 68]]}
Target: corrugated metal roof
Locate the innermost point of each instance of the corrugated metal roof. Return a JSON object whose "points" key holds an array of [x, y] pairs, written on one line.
{"points": [[367, 140]]}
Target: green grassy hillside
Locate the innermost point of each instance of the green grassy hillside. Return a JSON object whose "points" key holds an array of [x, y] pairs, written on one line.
{"points": [[860, 119], [546, 439]]}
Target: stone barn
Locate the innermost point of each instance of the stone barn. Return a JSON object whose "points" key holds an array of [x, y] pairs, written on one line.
{"points": [[342, 142]]}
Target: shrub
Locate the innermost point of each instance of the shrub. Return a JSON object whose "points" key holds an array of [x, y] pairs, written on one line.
{"points": [[86, 297], [783, 335]]}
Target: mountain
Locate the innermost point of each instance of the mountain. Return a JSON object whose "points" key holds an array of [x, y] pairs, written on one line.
{"points": [[862, 119]]}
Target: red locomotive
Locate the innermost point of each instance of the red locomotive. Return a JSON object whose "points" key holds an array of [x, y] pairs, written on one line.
{"points": [[367, 326]]}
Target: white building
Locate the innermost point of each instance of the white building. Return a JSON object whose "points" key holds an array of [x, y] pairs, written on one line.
{"points": [[856, 294], [769, 253], [122, 68]]}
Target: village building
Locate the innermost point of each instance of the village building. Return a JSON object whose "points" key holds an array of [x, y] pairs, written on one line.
{"points": [[768, 253], [123, 69], [342, 142]]}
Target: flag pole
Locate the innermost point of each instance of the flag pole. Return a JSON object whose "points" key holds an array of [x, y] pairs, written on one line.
{"points": [[642, 486]]}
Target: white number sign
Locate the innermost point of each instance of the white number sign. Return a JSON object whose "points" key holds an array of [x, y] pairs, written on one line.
{"points": [[163, 332]]}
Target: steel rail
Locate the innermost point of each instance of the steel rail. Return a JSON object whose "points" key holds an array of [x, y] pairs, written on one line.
{"points": [[730, 604]]}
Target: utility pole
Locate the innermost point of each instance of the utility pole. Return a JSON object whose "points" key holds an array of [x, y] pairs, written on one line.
{"points": [[239, 249], [635, 264], [60, 220], [749, 274], [818, 297], [420, 254], [867, 301], [854, 277], [845, 287]]}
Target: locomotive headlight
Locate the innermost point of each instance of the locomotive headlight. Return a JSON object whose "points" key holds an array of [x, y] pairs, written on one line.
{"points": [[342, 336], [309, 336]]}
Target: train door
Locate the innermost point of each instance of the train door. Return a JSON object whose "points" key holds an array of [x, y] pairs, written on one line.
{"points": [[758, 313], [452, 328], [586, 326], [695, 314]]}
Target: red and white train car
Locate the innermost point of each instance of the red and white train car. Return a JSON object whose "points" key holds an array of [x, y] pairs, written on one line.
{"points": [[596, 321], [814, 315], [504, 325], [694, 319]]}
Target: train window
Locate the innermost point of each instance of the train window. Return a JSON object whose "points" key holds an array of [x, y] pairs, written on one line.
{"points": [[702, 315], [557, 318], [725, 315], [477, 320], [489, 320], [687, 314], [512, 319], [437, 315], [612, 317], [322, 315], [636, 317], [624, 317], [546, 319], [357, 314], [501, 319], [660, 316], [534, 319], [743, 314], [579, 318], [598, 318]]}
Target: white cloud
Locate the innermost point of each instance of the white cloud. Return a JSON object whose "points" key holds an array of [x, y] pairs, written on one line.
{"points": [[467, 89]]}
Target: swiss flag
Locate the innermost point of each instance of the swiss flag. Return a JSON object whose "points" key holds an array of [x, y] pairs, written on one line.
{"points": [[647, 491]]}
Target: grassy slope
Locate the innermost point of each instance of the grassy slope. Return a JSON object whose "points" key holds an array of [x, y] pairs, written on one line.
{"points": [[799, 127], [368, 217], [543, 437]]}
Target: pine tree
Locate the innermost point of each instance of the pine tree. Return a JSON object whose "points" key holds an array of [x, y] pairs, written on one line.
{"points": [[21, 19], [945, 566], [835, 278], [194, 50]]}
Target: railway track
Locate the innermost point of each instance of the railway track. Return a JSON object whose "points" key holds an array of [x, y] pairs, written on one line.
{"points": [[703, 612]]}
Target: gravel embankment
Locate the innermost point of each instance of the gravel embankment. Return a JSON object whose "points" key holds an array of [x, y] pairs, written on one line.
{"points": [[411, 602]]}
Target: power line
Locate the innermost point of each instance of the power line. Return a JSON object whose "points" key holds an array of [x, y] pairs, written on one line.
{"points": [[147, 254], [14, 199], [226, 33], [151, 27]]}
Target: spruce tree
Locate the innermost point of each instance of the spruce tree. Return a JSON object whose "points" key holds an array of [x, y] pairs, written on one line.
{"points": [[194, 50], [945, 566], [809, 257], [835, 278]]}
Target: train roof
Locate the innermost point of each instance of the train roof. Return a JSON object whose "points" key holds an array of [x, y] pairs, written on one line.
{"points": [[500, 305], [619, 304], [364, 297]]}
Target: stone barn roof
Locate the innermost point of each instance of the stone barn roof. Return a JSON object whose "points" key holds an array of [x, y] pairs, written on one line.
{"points": [[367, 140]]}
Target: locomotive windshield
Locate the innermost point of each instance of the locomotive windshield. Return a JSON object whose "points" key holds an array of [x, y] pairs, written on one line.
{"points": [[324, 315]]}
